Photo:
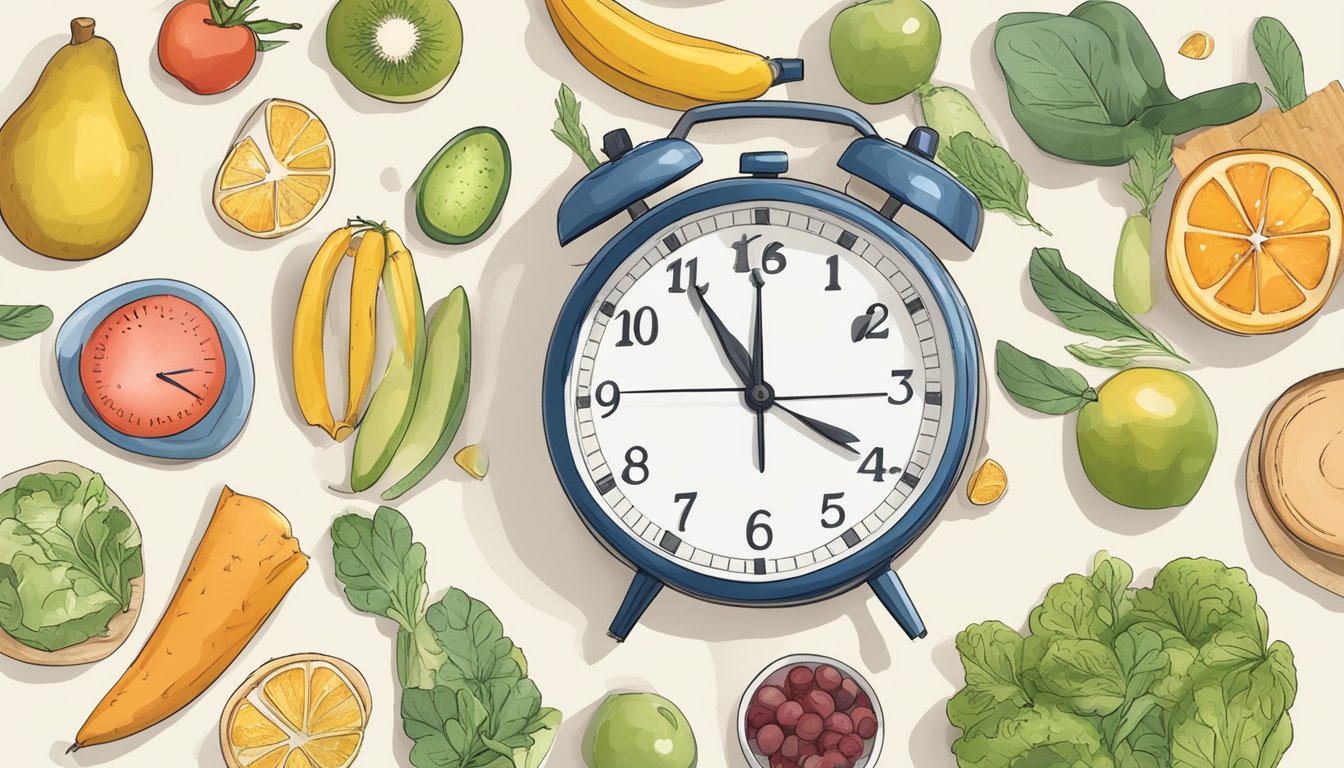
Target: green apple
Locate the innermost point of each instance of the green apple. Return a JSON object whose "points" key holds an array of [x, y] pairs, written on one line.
{"points": [[885, 49], [1149, 439], [639, 729]]}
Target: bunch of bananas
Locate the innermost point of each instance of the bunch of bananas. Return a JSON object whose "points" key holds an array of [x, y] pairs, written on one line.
{"points": [[412, 417], [661, 66]]}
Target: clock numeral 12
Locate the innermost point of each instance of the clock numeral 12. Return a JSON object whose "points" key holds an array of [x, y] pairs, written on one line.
{"points": [[636, 470], [688, 497], [643, 327], [773, 260], [828, 505], [754, 527]]}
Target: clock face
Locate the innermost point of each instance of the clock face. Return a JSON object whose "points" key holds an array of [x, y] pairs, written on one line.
{"points": [[154, 367], [760, 467]]}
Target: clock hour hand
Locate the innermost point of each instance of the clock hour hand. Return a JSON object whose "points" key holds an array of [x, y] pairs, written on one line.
{"points": [[732, 348], [832, 433], [758, 367], [166, 377]]}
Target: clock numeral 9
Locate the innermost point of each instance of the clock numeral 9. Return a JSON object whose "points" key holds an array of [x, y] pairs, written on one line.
{"points": [[869, 324], [692, 269], [907, 391], [689, 498], [828, 505], [754, 527], [608, 395], [874, 464], [643, 328], [636, 465]]}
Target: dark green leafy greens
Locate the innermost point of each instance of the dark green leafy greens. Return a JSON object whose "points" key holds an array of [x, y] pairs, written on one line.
{"points": [[1178, 674], [467, 700], [19, 321], [1282, 60], [68, 556], [1082, 309], [569, 128], [1091, 87]]}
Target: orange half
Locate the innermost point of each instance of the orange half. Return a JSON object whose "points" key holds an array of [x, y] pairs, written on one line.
{"points": [[1254, 243]]}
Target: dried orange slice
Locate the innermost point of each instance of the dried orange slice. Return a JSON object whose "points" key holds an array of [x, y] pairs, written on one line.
{"points": [[279, 172], [1254, 244], [1197, 45], [302, 711]]}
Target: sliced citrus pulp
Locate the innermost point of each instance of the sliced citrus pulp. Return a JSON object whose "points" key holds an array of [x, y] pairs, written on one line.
{"points": [[1254, 243], [279, 172], [303, 711]]}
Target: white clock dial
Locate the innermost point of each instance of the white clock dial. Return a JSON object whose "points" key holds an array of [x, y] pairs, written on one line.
{"points": [[851, 338]]}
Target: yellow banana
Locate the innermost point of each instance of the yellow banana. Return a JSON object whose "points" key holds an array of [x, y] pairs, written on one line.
{"points": [[658, 65], [369, 259], [310, 383]]}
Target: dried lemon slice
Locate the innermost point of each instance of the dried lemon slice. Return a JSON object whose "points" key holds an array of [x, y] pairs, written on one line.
{"points": [[303, 711], [1197, 45], [987, 484], [1254, 244], [279, 172]]}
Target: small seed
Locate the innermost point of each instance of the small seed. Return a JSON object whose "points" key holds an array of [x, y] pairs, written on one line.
{"points": [[987, 484]]}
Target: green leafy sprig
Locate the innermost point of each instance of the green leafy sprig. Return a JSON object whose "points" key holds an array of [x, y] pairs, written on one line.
{"points": [[1149, 170], [224, 15], [1282, 60], [991, 174], [569, 128], [19, 321]]}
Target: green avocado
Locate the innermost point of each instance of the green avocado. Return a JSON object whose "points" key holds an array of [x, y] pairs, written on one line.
{"points": [[460, 192]]}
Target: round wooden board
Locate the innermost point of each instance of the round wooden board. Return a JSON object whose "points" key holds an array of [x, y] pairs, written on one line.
{"points": [[1321, 568], [121, 625]]}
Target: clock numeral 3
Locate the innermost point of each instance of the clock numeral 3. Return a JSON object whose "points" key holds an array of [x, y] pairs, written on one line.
{"points": [[689, 498], [608, 396], [874, 464], [692, 269], [754, 527], [636, 465], [869, 324], [833, 264], [907, 391], [642, 328], [828, 505]]}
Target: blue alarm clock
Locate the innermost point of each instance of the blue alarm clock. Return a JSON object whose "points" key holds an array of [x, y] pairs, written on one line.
{"points": [[762, 390]]}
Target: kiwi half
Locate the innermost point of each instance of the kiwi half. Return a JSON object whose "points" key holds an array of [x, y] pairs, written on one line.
{"points": [[395, 50]]}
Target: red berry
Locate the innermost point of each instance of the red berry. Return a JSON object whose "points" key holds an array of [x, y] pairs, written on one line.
{"points": [[865, 722], [758, 716], [770, 697], [819, 703], [829, 740], [810, 726], [840, 723], [828, 677], [815, 761], [834, 759], [851, 745], [799, 680], [787, 715], [769, 739], [846, 695], [751, 733], [807, 749], [862, 700]]}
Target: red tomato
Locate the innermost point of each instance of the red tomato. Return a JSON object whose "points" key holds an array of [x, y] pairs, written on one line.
{"points": [[206, 58]]}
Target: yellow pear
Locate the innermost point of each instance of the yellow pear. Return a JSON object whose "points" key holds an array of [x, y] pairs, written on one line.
{"points": [[75, 168]]}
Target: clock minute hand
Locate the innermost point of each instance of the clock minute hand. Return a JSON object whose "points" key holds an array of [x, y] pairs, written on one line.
{"points": [[165, 378], [758, 367], [732, 348], [834, 434]]}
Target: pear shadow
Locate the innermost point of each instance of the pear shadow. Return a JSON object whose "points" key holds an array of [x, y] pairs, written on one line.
{"points": [[1267, 561], [170, 86], [21, 83], [352, 96], [568, 747], [1103, 512]]}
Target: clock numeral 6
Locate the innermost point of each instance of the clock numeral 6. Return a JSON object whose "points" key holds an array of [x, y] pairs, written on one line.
{"points": [[874, 464], [642, 328], [608, 395], [828, 505], [907, 391], [689, 498], [754, 527], [636, 465]]}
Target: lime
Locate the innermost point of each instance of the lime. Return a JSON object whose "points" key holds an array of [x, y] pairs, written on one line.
{"points": [[1149, 439], [639, 729], [885, 49]]}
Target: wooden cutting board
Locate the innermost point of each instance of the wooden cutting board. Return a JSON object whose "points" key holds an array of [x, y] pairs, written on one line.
{"points": [[1312, 131]]}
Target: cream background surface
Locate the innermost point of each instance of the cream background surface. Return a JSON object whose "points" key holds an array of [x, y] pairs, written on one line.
{"points": [[512, 540]]}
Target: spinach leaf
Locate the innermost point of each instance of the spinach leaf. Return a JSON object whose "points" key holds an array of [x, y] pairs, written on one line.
{"points": [[992, 656], [991, 174], [19, 321], [476, 651], [1038, 385], [1282, 59], [445, 725], [1090, 86]]}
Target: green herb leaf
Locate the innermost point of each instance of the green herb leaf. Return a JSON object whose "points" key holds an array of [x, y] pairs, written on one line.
{"points": [[991, 174], [1149, 171], [1081, 308], [1038, 385], [473, 641], [569, 127], [1283, 62], [19, 321], [1115, 355], [269, 27]]}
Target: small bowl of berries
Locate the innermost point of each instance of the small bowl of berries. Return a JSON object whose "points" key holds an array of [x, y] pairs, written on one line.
{"points": [[808, 711]]}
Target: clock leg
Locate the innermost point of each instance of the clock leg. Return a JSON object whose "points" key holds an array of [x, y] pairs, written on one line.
{"points": [[892, 593], [637, 599]]}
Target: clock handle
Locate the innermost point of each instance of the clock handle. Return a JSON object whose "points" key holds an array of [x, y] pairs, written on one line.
{"points": [[637, 599], [892, 593]]}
